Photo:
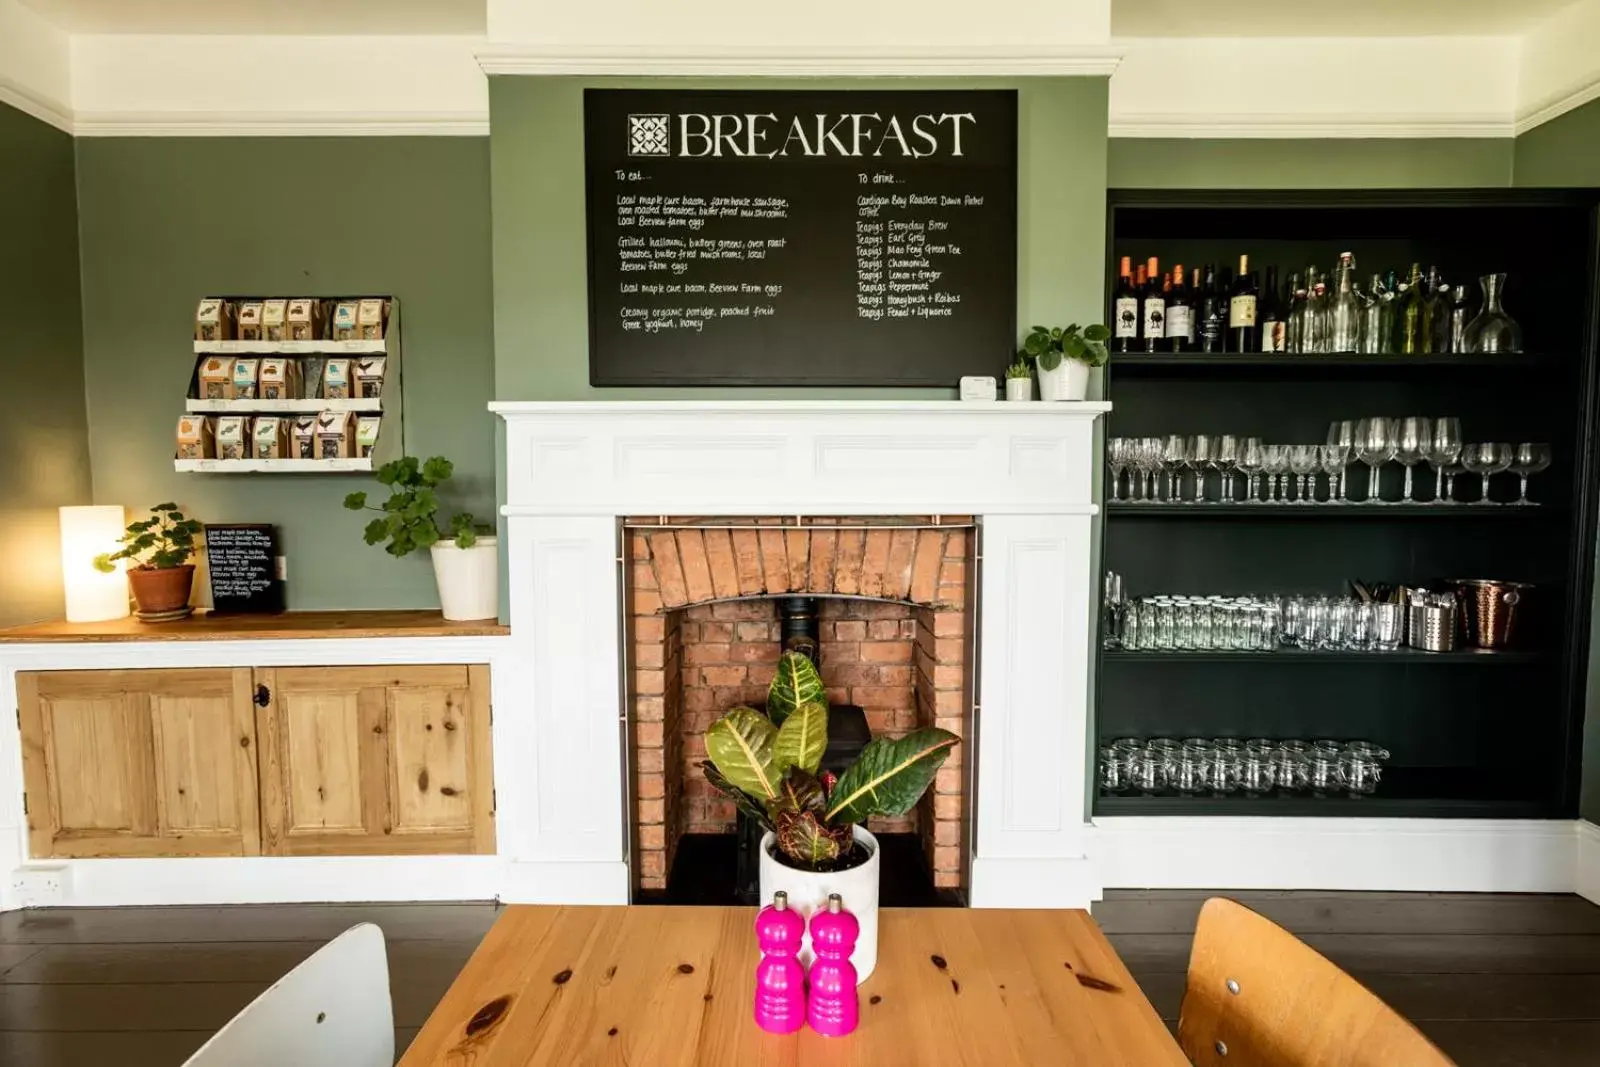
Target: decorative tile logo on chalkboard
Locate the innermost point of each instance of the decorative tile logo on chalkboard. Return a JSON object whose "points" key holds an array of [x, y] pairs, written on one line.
{"points": [[648, 135]]}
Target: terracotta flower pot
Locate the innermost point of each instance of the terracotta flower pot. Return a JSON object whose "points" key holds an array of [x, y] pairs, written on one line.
{"points": [[162, 593]]}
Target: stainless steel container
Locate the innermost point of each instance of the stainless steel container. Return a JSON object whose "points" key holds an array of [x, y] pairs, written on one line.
{"points": [[1489, 610], [1431, 621]]}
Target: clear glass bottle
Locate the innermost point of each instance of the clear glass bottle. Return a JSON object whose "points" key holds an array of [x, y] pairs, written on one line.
{"points": [[1344, 326], [1436, 313], [1295, 329], [1409, 335], [1493, 330], [1460, 315], [1319, 315], [1375, 318]]}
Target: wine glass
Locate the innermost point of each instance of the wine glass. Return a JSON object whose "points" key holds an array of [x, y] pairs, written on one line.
{"points": [[1202, 455], [1375, 445], [1117, 460], [1485, 459], [1342, 440], [1303, 460], [1174, 453], [1332, 460], [1251, 456], [1274, 463], [1525, 460], [1412, 438], [1147, 459], [1225, 459], [1444, 448]]}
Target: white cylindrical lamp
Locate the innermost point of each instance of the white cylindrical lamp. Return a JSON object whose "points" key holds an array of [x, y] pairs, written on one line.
{"points": [[86, 532]]}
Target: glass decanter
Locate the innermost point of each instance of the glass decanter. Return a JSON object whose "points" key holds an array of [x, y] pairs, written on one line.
{"points": [[1493, 330]]}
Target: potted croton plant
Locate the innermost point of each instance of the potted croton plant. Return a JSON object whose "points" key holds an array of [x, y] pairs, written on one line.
{"points": [[1064, 358], [816, 840], [466, 563], [158, 550]]}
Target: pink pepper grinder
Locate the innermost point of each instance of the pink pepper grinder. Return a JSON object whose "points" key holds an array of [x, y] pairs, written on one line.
{"points": [[833, 1009], [780, 981]]}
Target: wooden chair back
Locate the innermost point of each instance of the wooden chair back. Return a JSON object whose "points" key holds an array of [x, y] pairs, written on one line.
{"points": [[1257, 996], [331, 1011]]}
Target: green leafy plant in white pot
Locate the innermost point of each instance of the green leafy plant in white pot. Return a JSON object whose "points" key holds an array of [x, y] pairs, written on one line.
{"points": [[466, 562], [1019, 378], [1065, 357], [817, 842]]}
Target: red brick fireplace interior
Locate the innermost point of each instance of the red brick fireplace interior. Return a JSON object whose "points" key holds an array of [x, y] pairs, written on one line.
{"points": [[895, 639]]}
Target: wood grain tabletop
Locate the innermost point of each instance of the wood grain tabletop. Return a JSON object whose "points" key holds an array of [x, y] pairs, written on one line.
{"points": [[672, 987]]}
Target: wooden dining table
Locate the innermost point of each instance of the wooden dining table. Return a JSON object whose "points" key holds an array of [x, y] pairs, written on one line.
{"points": [[673, 987]]}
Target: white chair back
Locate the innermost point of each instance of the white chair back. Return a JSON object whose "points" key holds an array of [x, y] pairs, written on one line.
{"points": [[331, 1011]]}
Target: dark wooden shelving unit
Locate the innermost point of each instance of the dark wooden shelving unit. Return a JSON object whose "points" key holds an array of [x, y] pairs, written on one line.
{"points": [[1467, 742]]}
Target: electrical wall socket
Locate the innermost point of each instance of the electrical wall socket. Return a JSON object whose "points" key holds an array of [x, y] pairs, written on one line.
{"points": [[40, 885]]}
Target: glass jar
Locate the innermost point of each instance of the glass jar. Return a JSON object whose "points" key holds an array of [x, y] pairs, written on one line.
{"points": [[1324, 773], [1362, 767], [1191, 767], [1258, 767], [1291, 759]]}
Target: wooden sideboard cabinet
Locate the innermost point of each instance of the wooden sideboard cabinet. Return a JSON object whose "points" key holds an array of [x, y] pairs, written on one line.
{"points": [[305, 761]]}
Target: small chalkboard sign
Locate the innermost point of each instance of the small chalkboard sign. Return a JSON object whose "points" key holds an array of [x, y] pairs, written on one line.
{"points": [[243, 560]]}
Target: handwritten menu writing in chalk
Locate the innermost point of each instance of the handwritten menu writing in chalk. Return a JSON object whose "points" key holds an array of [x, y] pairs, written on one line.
{"points": [[800, 237], [243, 561]]}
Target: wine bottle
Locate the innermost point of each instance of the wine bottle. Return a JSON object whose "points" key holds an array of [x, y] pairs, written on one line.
{"points": [[1125, 310], [1242, 335], [1213, 312], [1271, 313], [1409, 337], [1294, 336], [1436, 313], [1155, 308], [1180, 314]]}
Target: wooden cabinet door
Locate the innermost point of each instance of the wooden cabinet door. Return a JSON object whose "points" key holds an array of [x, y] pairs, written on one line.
{"points": [[139, 762], [376, 761]]}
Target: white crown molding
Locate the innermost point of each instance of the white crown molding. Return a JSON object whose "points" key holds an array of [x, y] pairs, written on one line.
{"points": [[1355, 125], [283, 124], [1556, 106], [731, 61], [35, 104]]}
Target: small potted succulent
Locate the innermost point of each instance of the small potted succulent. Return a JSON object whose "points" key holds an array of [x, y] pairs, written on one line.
{"points": [[1065, 357], [466, 563], [158, 550], [1019, 378], [816, 841]]}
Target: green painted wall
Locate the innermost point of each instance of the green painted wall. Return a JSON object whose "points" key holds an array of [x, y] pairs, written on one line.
{"points": [[43, 437], [166, 221], [1265, 163]]}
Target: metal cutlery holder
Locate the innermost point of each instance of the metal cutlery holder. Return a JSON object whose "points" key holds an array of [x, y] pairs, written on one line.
{"points": [[1489, 610], [1431, 621]]}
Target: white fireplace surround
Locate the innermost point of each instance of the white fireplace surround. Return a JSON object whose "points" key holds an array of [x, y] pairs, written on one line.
{"points": [[1025, 469]]}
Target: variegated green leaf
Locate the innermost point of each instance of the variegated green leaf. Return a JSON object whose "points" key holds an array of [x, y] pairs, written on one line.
{"points": [[801, 738], [890, 776], [746, 803], [740, 744], [797, 682], [804, 838], [800, 791]]}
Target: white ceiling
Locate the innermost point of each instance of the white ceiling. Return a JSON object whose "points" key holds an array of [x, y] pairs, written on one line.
{"points": [[377, 17], [1327, 18]]}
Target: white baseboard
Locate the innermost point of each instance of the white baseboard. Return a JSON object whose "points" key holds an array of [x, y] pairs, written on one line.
{"points": [[1032, 883], [1402, 855], [1586, 862], [567, 882]]}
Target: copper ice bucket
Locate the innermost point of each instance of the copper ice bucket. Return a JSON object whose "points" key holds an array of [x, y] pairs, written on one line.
{"points": [[1489, 610]]}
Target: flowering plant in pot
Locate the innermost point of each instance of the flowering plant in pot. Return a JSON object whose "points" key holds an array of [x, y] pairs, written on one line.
{"points": [[158, 550], [466, 563], [1065, 357], [769, 763]]}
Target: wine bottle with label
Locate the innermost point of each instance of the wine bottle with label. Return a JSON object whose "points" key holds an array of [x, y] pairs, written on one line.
{"points": [[1180, 314], [1155, 308], [1242, 334], [1409, 335], [1271, 313], [1213, 313], [1125, 310]]}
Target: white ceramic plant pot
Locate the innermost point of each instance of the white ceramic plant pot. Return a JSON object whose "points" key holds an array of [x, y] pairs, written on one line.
{"points": [[1019, 388], [1069, 381], [469, 580], [808, 892]]}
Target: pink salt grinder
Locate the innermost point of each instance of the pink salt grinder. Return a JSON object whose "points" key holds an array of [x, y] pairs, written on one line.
{"points": [[780, 981], [833, 1009]]}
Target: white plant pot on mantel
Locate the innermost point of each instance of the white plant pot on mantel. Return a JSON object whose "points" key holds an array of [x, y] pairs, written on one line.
{"points": [[808, 893], [1069, 381], [469, 579], [1019, 388]]}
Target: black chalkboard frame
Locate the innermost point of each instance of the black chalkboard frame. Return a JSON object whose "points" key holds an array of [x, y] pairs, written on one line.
{"points": [[269, 601], [887, 367]]}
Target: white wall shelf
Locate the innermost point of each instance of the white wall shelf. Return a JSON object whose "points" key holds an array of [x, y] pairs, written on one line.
{"points": [[291, 348], [278, 407], [273, 466]]}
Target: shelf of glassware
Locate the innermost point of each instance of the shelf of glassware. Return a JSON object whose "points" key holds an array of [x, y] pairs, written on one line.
{"points": [[1401, 657], [1355, 511], [1405, 792], [1319, 365]]}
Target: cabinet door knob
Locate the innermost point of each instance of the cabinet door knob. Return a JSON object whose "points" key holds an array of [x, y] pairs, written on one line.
{"points": [[263, 696]]}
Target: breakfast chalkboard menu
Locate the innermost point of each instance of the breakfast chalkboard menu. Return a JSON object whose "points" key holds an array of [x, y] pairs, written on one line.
{"points": [[243, 561], [800, 237]]}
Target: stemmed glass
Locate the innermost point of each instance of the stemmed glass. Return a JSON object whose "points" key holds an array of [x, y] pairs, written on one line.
{"points": [[1375, 445], [1274, 463], [1486, 459], [1225, 459], [1331, 461], [1202, 456], [1342, 440], [1303, 461], [1154, 459], [1252, 454], [1413, 435], [1442, 451], [1529, 459], [1117, 460], [1174, 453]]}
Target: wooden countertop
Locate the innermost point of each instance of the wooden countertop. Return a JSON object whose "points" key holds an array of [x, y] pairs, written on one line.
{"points": [[673, 987], [293, 625]]}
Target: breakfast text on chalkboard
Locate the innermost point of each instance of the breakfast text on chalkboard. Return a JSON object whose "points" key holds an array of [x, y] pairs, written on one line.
{"points": [[777, 237]]}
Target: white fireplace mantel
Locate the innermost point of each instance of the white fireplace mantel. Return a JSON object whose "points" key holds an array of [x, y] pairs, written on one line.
{"points": [[1025, 469]]}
